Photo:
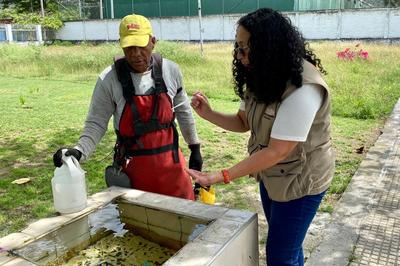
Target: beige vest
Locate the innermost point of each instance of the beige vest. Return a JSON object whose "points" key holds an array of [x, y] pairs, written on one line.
{"points": [[308, 170]]}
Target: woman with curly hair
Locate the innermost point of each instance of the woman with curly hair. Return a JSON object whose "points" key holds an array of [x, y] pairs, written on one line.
{"points": [[285, 103]]}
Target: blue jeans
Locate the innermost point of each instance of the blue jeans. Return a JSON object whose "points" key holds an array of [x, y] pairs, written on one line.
{"points": [[288, 223]]}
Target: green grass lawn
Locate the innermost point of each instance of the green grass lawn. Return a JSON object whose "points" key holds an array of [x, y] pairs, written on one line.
{"points": [[45, 93]]}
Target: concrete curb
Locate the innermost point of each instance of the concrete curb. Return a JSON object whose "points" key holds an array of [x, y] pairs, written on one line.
{"points": [[360, 198]]}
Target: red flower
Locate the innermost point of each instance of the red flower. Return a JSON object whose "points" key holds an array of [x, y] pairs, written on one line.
{"points": [[349, 54]]}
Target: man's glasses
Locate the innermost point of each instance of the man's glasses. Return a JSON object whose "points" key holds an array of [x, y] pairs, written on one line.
{"points": [[241, 50]]}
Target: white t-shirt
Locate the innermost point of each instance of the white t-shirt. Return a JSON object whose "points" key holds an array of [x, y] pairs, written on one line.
{"points": [[296, 113], [143, 83]]}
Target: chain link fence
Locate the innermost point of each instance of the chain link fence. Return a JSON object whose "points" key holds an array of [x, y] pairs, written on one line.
{"points": [[344, 4], [80, 9], [3, 34], [48, 35], [26, 33], [106, 9]]}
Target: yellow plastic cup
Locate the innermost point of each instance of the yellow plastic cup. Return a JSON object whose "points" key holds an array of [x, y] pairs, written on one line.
{"points": [[207, 196]]}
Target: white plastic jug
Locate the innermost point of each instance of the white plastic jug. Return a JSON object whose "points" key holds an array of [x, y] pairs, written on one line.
{"points": [[69, 186]]}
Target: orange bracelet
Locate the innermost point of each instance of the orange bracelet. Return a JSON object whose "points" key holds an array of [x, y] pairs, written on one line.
{"points": [[227, 177]]}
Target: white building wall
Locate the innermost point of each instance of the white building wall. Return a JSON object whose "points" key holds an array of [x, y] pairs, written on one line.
{"points": [[322, 25], [89, 30], [368, 24], [230, 27], [174, 29], [330, 24], [394, 24]]}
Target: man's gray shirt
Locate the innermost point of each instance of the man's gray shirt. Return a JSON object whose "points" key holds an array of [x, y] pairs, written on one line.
{"points": [[107, 100]]}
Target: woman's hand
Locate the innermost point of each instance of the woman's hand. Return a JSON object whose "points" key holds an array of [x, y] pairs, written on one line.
{"points": [[200, 104], [205, 179]]}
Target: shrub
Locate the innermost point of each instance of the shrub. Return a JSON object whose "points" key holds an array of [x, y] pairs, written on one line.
{"points": [[351, 54], [50, 21]]}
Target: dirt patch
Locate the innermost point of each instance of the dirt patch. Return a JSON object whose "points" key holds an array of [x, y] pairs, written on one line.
{"points": [[4, 172]]}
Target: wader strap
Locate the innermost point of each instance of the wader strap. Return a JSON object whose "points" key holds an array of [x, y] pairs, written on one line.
{"points": [[124, 76], [176, 144], [123, 144], [158, 150], [156, 73]]}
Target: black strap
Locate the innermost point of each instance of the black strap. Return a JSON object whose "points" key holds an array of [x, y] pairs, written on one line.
{"points": [[150, 126], [176, 144], [153, 151], [156, 73], [123, 144], [124, 76]]}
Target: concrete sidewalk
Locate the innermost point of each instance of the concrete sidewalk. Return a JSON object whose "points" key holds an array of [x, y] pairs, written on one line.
{"points": [[365, 226]]}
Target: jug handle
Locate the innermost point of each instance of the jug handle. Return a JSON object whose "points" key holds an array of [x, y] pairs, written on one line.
{"points": [[71, 162]]}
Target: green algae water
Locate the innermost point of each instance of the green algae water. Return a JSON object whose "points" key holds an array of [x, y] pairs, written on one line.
{"points": [[101, 238], [130, 250]]}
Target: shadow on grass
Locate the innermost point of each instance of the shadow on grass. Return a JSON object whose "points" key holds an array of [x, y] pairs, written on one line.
{"points": [[30, 153], [32, 158]]}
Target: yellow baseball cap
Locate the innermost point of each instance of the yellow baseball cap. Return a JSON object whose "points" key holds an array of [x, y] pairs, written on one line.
{"points": [[134, 30]]}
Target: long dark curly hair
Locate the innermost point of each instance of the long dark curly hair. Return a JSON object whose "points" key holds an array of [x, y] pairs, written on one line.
{"points": [[276, 54]]}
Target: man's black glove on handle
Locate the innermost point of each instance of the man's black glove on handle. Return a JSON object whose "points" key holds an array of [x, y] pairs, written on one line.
{"points": [[58, 155], [195, 163], [195, 159]]}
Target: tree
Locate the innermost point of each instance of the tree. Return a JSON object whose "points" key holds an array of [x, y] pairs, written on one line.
{"points": [[6, 3], [28, 12], [30, 6], [392, 3]]}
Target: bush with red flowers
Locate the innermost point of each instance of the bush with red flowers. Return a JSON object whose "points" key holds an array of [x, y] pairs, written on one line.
{"points": [[351, 54]]}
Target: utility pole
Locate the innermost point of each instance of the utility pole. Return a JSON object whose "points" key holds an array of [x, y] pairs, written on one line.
{"points": [[101, 9], [200, 27], [42, 8], [112, 8], [80, 8]]}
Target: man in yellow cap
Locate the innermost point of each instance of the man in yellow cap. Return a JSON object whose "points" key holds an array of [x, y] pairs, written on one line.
{"points": [[143, 92], [137, 41]]}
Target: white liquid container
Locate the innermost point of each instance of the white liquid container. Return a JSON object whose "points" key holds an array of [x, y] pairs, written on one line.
{"points": [[69, 186]]}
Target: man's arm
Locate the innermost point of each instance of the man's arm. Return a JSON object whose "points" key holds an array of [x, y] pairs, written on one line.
{"points": [[174, 81], [185, 118], [183, 114], [100, 111]]}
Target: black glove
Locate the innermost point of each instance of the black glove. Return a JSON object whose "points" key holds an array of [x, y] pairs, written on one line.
{"points": [[196, 163], [195, 160], [58, 155]]}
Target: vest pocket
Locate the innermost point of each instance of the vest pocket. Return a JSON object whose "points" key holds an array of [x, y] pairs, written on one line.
{"points": [[283, 181], [285, 168], [269, 116]]}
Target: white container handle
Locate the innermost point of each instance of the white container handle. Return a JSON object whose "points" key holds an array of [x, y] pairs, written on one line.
{"points": [[73, 164]]}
